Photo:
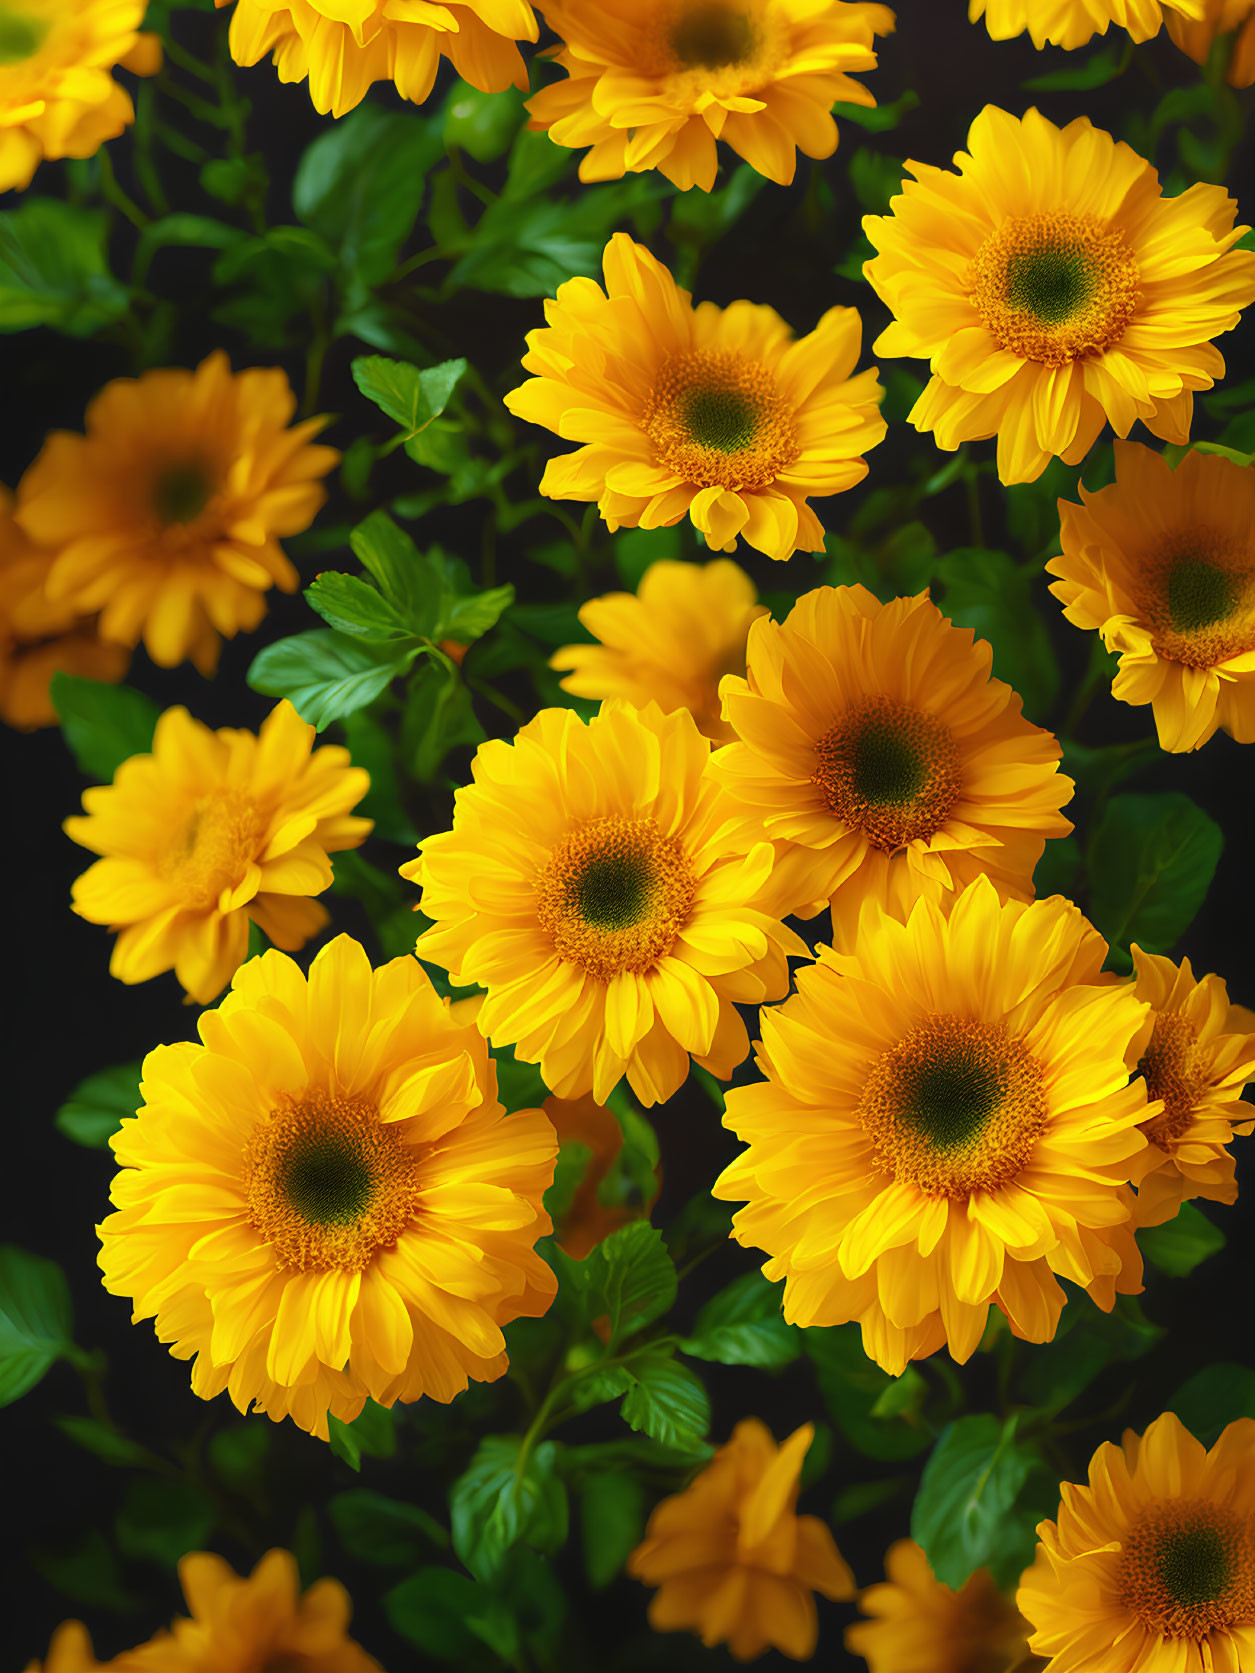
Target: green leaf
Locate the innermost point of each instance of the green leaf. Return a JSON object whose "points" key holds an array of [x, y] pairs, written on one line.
{"points": [[1213, 1398], [987, 592], [433, 1609], [361, 183], [1182, 1243], [612, 1519], [238, 1454], [853, 1388], [630, 1276], [103, 725], [86, 1571], [1150, 863], [372, 747], [1095, 71], [861, 1497], [354, 606], [471, 617], [438, 717], [502, 1498], [743, 1325], [416, 585], [105, 1442], [482, 124], [1085, 1344], [1058, 869], [412, 398], [327, 675], [568, 1176], [667, 1401], [36, 1320], [162, 1521], [185, 231], [382, 1530], [631, 1180], [96, 1108], [54, 269], [966, 1495], [878, 118], [874, 178], [372, 1431]]}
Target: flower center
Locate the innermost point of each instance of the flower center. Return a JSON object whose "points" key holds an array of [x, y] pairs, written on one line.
{"points": [[1188, 1569], [890, 771], [1172, 1072], [182, 492], [1054, 287], [329, 1183], [1197, 594], [716, 420], [614, 895], [955, 1107], [210, 851], [712, 35], [21, 35]]}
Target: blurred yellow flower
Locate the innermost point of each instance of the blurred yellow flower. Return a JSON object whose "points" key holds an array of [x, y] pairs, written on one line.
{"points": [[732, 1559], [1162, 565], [164, 516], [69, 1652], [1071, 23], [1053, 289], [718, 414], [669, 643], [343, 46], [1220, 17], [655, 83], [588, 1220], [210, 832], [919, 1625]]}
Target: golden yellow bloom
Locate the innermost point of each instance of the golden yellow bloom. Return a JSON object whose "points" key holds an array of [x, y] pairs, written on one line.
{"points": [[164, 516], [1053, 288], [654, 83], [717, 414], [919, 1625], [669, 643], [343, 46], [883, 761], [1162, 565], [210, 832], [1219, 17], [947, 1122], [69, 1652], [1151, 1567], [324, 1200], [1071, 23], [587, 1221], [593, 884], [1200, 1056], [37, 637], [58, 97], [732, 1559], [263, 1622]]}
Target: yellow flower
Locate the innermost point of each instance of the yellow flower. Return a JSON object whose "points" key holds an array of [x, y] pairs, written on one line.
{"points": [[670, 643], [1053, 288], [920, 1626], [718, 414], [69, 1652], [883, 761], [57, 95], [1200, 1056], [593, 884], [1219, 17], [732, 1559], [210, 832], [343, 46], [1162, 565], [164, 516], [654, 83], [1151, 1567], [947, 1123], [1071, 23], [37, 637], [324, 1200], [264, 1622], [587, 1221]]}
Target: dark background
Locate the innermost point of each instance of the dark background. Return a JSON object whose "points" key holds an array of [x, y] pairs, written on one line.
{"points": [[68, 1017]]}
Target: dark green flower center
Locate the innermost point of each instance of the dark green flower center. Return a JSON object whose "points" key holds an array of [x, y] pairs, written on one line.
{"points": [[949, 1099], [181, 493], [889, 768], [21, 35], [724, 419], [1200, 594], [614, 890], [327, 1182], [1051, 284], [711, 36], [1194, 1565]]}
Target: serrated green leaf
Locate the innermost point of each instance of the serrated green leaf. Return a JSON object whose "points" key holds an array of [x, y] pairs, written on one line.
{"points": [[36, 1320], [98, 1105], [667, 1401], [414, 583], [503, 1497], [354, 606], [409, 396], [1151, 861], [1182, 1243], [469, 618], [326, 675], [103, 725], [630, 1276]]}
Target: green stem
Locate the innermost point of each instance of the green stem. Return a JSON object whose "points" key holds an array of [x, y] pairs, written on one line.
{"points": [[315, 356], [113, 193], [499, 700], [188, 61]]}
